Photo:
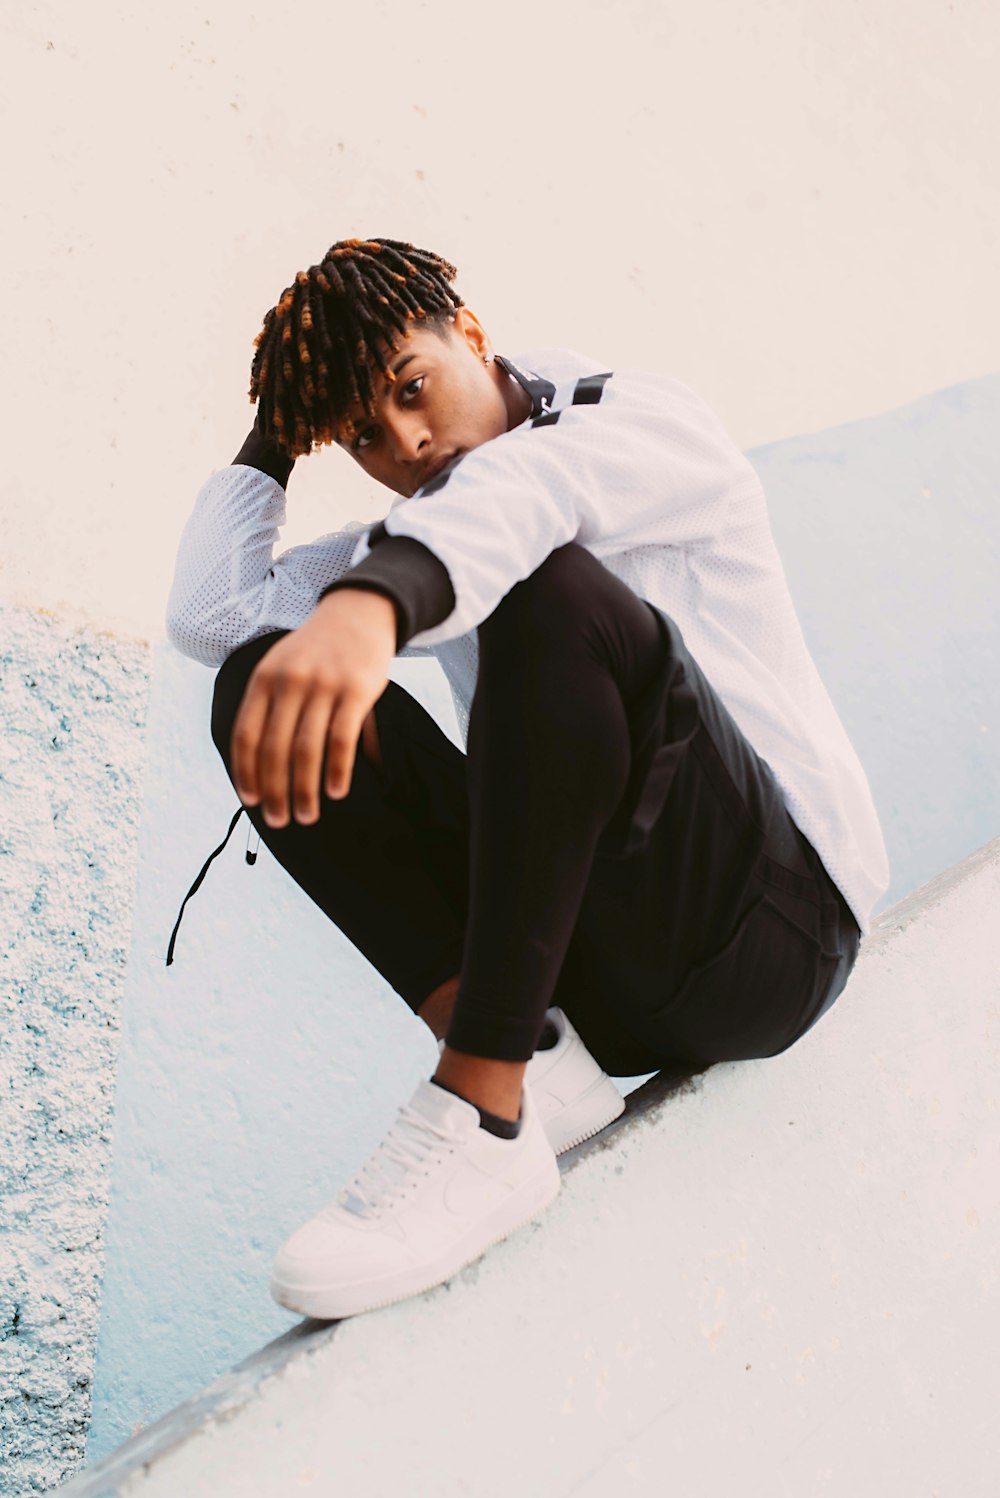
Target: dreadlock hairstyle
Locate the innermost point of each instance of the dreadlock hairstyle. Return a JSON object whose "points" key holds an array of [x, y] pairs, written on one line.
{"points": [[317, 348]]}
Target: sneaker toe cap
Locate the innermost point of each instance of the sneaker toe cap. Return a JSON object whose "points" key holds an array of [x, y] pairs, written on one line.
{"points": [[321, 1249]]}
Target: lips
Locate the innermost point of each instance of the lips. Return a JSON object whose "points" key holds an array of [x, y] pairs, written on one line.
{"points": [[436, 468]]}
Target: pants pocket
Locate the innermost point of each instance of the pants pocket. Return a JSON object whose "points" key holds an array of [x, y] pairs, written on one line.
{"points": [[754, 997]]}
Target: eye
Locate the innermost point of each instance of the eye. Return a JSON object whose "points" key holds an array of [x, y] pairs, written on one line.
{"points": [[365, 437], [412, 388]]}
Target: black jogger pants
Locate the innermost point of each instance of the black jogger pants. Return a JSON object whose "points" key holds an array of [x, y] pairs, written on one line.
{"points": [[610, 843]]}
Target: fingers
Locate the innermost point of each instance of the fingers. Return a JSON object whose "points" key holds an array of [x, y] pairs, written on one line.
{"points": [[248, 728], [342, 744], [279, 739], [275, 756], [307, 696], [264, 734], [307, 759], [333, 728]]}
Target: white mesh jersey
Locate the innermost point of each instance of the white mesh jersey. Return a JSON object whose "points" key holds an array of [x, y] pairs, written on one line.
{"points": [[649, 481]]}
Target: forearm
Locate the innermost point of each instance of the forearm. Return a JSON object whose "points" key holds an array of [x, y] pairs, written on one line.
{"points": [[228, 584], [404, 571]]}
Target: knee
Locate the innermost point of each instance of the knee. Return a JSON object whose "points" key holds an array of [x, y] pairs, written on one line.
{"points": [[549, 603], [231, 683]]}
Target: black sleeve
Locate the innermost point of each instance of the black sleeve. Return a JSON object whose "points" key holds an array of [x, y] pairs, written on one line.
{"points": [[265, 454], [407, 572]]}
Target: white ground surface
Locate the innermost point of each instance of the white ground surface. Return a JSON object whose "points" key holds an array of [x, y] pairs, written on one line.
{"points": [[787, 1283]]}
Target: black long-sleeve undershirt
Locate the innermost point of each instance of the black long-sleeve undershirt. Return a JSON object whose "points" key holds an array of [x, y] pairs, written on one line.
{"points": [[400, 568]]}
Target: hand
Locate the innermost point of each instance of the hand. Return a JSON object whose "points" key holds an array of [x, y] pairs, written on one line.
{"points": [[264, 453], [310, 694]]}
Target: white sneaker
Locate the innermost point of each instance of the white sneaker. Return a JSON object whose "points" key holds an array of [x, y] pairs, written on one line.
{"points": [[575, 1099], [436, 1193]]}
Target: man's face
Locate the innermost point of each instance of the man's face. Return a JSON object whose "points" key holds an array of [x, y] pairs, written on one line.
{"points": [[444, 401]]}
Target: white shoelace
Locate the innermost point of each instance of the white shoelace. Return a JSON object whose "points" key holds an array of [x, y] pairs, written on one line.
{"points": [[410, 1142]]}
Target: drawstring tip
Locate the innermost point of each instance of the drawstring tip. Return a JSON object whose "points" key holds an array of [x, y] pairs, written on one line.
{"points": [[198, 882]]}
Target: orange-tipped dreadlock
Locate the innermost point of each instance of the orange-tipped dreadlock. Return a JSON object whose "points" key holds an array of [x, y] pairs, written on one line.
{"points": [[317, 348]]}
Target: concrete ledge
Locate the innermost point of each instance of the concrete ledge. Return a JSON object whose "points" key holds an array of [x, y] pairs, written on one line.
{"points": [[774, 1274], [227, 1395]]}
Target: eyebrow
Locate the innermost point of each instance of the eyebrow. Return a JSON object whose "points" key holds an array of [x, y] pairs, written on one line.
{"points": [[399, 364]]}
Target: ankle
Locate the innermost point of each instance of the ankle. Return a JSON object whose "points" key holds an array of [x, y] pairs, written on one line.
{"points": [[436, 1009], [493, 1123], [483, 1081]]}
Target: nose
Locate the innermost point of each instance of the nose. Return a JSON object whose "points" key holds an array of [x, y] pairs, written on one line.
{"points": [[409, 438]]}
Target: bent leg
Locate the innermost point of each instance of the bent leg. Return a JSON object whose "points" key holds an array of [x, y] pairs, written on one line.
{"points": [[632, 857], [715, 933], [564, 659]]}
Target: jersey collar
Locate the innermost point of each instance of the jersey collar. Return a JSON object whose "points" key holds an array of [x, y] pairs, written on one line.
{"points": [[542, 392]]}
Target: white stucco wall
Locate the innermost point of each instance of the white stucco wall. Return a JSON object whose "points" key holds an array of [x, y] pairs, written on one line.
{"points": [[786, 1281], [794, 208], [72, 718]]}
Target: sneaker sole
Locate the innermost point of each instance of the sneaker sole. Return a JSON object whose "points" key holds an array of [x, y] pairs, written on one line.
{"points": [[586, 1116], [328, 1303]]}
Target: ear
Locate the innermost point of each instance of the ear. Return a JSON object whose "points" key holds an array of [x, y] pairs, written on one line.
{"points": [[468, 327]]}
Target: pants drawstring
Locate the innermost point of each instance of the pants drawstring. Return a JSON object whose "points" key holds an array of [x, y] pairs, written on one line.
{"points": [[251, 858]]}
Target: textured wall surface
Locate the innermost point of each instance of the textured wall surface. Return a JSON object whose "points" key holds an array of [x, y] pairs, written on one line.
{"points": [[785, 1282], [72, 718], [258, 1071]]}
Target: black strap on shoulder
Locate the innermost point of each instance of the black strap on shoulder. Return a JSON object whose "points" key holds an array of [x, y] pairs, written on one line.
{"points": [[542, 391], [590, 388], [196, 886], [587, 392]]}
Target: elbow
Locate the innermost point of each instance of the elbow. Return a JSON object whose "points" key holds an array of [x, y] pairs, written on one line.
{"points": [[198, 642]]}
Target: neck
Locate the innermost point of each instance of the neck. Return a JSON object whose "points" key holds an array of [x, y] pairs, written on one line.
{"points": [[515, 397]]}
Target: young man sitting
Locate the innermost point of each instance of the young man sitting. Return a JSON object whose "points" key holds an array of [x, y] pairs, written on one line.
{"points": [[659, 846]]}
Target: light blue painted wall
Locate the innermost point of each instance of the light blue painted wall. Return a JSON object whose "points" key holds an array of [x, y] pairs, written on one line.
{"points": [[247, 1086], [260, 1069], [890, 532]]}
